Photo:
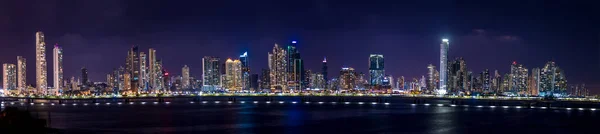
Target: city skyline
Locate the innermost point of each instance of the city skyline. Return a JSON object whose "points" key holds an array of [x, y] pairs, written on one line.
{"points": [[508, 46]]}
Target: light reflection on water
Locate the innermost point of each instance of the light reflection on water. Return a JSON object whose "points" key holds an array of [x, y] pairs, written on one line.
{"points": [[294, 118]]}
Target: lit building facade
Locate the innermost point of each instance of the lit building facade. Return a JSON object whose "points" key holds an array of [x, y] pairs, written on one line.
{"points": [[133, 68], [376, 69], [58, 68], [9, 78], [233, 72], [185, 77], [41, 67], [552, 80], [278, 68], [152, 70], [347, 79], [443, 68], [245, 71], [143, 75], [22, 74], [211, 77], [519, 76]]}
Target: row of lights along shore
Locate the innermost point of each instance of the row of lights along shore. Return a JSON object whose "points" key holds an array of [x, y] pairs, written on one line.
{"points": [[307, 102]]}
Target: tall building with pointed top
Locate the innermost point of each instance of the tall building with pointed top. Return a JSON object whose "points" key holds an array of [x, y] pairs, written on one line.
{"points": [[245, 71], [443, 67], [57, 57], [22, 74], [278, 68], [376, 69], [9, 78], [40, 63], [185, 77]]}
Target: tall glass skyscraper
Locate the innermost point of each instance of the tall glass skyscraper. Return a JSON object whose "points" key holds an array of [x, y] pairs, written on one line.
{"points": [[21, 74], [443, 68], [211, 77], [278, 68], [40, 63], [376, 69], [9, 77], [245, 71], [185, 77], [58, 68]]}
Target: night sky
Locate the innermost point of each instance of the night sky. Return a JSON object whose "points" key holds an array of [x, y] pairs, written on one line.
{"points": [[97, 33]]}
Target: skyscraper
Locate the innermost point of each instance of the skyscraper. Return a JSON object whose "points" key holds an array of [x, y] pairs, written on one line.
{"points": [[245, 71], [486, 81], [295, 67], [40, 63], [21, 74], [534, 82], [443, 61], [143, 75], [278, 68], [9, 78], [58, 68], [553, 81], [233, 72], [133, 68], [347, 78], [265, 80], [376, 69], [152, 69], [211, 77], [519, 77], [431, 83], [84, 77], [185, 78]]}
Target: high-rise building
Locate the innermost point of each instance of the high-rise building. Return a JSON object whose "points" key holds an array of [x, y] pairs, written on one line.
{"points": [[211, 77], [457, 76], [152, 69], [84, 77], [552, 80], [22, 74], [519, 77], [40, 63], [278, 68], [485, 80], [443, 61], [233, 71], [324, 70], [295, 67], [401, 83], [58, 68], [9, 78], [254, 82], [246, 83], [376, 69], [317, 81], [431, 79], [185, 78], [265, 80], [143, 75], [160, 83], [496, 82], [74, 84], [133, 68], [347, 78], [534, 82]]}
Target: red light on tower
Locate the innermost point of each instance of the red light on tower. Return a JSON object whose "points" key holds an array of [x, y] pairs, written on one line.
{"points": [[514, 62], [166, 73]]}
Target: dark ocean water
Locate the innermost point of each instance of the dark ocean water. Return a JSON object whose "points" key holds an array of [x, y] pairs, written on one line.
{"points": [[300, 118]]}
